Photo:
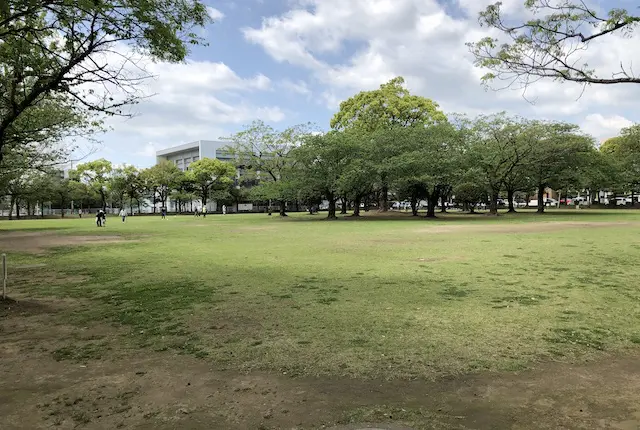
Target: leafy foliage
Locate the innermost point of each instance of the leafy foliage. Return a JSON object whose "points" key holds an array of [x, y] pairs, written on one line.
{"points": [[549, 45]]}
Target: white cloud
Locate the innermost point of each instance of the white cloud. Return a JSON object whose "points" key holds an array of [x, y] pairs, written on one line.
{"points": [[215, 14], [297, 87], [149, 150], [417, 39], [188, 101], [604, 127]]}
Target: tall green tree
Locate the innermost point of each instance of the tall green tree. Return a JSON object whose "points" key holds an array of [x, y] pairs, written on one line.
{"points": [[621, 158], [388, 107], [160, 180], [551, 44], [497, 149], [209, 174], [56, 49], [97, 175], [262, 154], [321, 162], [429, 162], [558, 154]]}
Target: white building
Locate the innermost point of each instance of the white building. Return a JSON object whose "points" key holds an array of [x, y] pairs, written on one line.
{"points": [[183, 155]]}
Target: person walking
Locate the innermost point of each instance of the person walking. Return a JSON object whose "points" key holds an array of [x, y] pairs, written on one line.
{"points": [[196, 213], [204, 211], [99, 218], [224, 209], [104, 218], [80, 213], [123, 214], [163, 212]]}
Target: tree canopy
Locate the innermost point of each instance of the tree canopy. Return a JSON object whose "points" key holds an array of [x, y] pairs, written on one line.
{"points": [[389, 106], [79, 55], [549, 45]]}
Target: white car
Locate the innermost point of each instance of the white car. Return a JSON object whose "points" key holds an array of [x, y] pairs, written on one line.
{"points": [[547, 202]]}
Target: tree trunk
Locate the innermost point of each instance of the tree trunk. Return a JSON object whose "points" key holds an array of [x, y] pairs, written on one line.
{"points": [[62, 202], [510, 194], [432, 202], [493, 204], [283, 208], [384, 199], [17, 208], [13, 201], [443, 205], [41, 209], [356, 206], [332, 208], [540, 199], [367, 204], [472, 209], [343, 210], [414, 205]]}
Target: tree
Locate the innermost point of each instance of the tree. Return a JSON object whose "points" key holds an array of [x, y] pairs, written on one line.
{"points": [[262, 154], [63, 191], [161, 179], [470, 194], [558, 153], [82, 194], [390, 106], [118, 187], [550, 45], [429, 161], [97, 175], [185, 191], [321, 161], [59, 48], [624, 153], [413, 190], [133, 186], [496, 149], [208, 174]]}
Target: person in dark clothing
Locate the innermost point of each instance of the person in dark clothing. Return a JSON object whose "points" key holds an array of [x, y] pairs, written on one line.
{"points": [[100, 216], [163, 212]]}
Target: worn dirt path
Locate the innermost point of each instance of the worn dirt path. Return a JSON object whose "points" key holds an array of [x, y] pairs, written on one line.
{"points": [[146, 390]]}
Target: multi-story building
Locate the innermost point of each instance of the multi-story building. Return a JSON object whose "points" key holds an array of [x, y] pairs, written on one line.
{"points": [[183, 155]]}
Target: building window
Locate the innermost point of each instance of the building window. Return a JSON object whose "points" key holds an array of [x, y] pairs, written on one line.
{"points": [[196, 158]]}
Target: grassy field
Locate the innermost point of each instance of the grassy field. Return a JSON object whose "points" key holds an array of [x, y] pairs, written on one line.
{"points": [[372, 298]]}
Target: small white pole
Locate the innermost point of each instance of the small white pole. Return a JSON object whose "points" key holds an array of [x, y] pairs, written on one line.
{"points": [[4, 276]]}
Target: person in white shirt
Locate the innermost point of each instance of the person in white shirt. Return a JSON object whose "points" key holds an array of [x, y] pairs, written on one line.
{"points": [[224, 209], [123, 214]]}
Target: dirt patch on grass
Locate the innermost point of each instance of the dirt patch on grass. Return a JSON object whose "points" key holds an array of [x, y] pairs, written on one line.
{"points": [[38, 242], [531, 227], [54, 374]]}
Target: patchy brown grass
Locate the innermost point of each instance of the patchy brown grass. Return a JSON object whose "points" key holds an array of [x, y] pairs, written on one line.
{"points": [[81, 377], [38, 242]]}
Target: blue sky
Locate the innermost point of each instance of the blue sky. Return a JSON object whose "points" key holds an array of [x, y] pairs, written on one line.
{"points": [[293, 61]]}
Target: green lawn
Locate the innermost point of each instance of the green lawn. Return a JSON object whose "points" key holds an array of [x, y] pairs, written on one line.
{"points": [[391, 298]]}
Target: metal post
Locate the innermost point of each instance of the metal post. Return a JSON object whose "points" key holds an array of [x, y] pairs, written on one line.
{"points": [[4, 276]]}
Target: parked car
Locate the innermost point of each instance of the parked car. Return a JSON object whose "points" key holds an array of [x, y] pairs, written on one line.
{"points": [[622, 201], [547, 202]]}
